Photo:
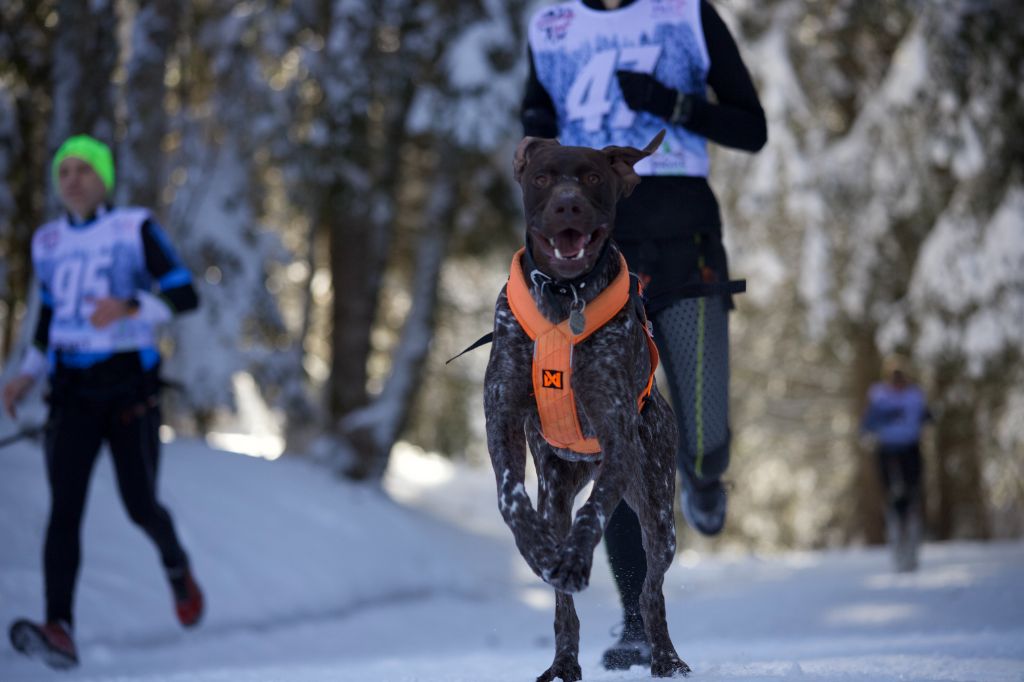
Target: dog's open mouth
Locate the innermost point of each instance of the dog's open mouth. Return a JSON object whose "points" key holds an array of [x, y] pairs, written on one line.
{"points": [[570, 244]]}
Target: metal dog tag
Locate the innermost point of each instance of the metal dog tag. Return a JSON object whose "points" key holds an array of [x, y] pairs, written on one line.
{"points": [[576, 321]]}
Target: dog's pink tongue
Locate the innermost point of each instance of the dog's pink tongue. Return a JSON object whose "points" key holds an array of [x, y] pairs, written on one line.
{"points": [[570, 242]]}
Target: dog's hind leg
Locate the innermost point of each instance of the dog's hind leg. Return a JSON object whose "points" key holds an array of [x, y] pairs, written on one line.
{"points": [[566, 665], [651, 495], [659, 547]]}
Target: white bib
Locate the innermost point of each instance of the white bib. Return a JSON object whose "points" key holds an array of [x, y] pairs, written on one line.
{"points": [[576, 51], [78, 265]]}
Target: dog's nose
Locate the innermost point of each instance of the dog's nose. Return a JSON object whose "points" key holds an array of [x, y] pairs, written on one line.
{"points": [[567, 203]]}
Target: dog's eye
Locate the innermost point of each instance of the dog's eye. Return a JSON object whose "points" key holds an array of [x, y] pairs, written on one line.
{"points": [[593, 178], [541, 180]]}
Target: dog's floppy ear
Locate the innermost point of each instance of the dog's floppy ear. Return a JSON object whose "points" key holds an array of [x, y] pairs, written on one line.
{"points": [[622, 160], [528, 146]]}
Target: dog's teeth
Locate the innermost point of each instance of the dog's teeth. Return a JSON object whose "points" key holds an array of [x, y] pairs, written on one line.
{"points": [[589, 237], [551, 241], [578, 256]]}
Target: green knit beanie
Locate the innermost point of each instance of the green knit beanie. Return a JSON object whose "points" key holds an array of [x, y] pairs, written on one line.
{"points": [[90, 150]]}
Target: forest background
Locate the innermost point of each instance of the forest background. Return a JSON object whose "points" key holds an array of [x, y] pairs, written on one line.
{"points": [[337, 175]]}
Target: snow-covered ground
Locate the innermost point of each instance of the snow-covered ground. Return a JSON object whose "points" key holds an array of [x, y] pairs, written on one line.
{"points": [[311, 579]]}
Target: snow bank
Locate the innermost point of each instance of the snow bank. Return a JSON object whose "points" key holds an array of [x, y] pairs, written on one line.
{"points": [[271, 543]]}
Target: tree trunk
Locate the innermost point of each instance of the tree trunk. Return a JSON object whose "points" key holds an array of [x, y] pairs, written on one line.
{"points": [[26, 70], [141, 170], [360, 229], [958, 506], [374, 429], [14, 228], [85, 53], [356, 261], [869, 516]]}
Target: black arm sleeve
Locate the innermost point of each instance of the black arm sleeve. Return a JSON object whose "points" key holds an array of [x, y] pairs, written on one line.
{"points": [[737, 120], [538, 111], [174, 280]]}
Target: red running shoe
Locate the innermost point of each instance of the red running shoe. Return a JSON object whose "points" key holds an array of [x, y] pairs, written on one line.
{"points": [[52, 643], [188, 598]]}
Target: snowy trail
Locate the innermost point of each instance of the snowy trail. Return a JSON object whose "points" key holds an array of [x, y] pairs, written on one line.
{"points": [[955, 624], [344, 585]]}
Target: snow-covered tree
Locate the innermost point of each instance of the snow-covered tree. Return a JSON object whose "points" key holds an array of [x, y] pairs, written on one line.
{"points": [[222, 118], [142, 170], [883, 216]]}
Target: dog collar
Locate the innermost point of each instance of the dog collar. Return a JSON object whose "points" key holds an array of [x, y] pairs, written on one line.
{"points": [[599, 311], [553, 290], [565, 286]]}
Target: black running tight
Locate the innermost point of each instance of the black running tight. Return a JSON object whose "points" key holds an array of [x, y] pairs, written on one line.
{"points": [[76, 430], [693, 340]]}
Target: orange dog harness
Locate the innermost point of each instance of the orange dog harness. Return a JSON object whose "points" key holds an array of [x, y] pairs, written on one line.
{"points": [[553, 355]]}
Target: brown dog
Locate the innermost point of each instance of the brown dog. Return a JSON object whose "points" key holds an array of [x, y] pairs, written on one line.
{"points": [[569, 194]]}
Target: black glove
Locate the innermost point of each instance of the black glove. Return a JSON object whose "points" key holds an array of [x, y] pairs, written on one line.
{"points": [[539, 123], [643, 92]]}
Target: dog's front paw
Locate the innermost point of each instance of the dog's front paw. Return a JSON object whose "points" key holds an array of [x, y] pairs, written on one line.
{"points": [[669, 665], [565, 668], [571, 570]]}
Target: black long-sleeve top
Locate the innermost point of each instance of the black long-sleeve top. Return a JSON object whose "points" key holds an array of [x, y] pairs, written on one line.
{"points": [[672, 206]]}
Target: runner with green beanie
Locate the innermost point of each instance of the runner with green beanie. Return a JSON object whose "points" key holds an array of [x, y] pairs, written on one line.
{"points": [[108, 279], [90, 150]]}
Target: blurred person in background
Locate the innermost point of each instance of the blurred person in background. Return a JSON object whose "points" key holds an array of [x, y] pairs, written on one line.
{"points": [[893, 419], [108, 278], [616, 72]]}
